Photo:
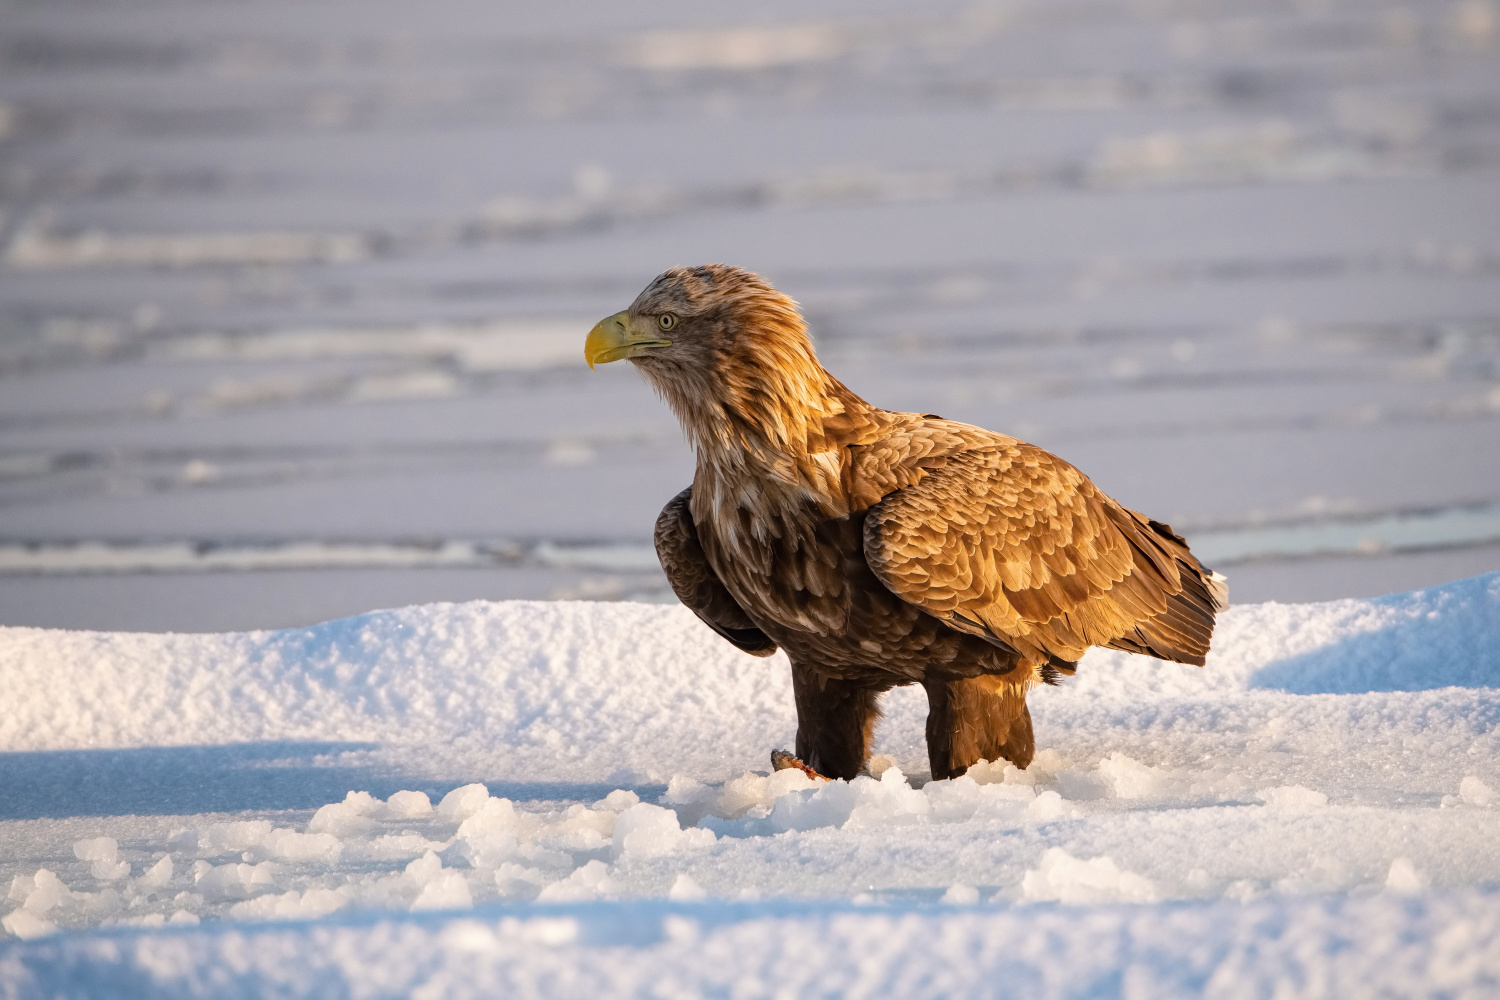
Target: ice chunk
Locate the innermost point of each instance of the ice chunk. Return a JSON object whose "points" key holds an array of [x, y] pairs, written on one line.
{"points": [[619, 800], [26, 925], [1198, 882], [489, 849], [183, 839], [1067, 879], [1047, 807], [690, 798], [953, 800], [1318, 871], [407, 844], [513, 879], [755, 793], [1404, 877], [1475, 792], [97, 905], [490, 836], [863, 802], [291, 905], [583, 829], [447, 891], [363, 803], [48, 891], [235, 881], [224, 838], [407, 805], [588, 882], [289, 845], [103, 853], [20, 887], [493, 816], [686, 890], [349, 818], [748, 791], [879, 764], [1044, 768], [1130, 779], [424, 869], [829, 805], [957, 799], [157, 875], [647, 831], [108, 871], [986, 772], [1293, 798], [683, 791], [1083, 786], [887, 801], [96, 849], [463, 802], [961, 894]]}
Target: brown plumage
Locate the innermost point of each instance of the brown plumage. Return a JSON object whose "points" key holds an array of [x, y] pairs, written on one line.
{"points": [[880, 548]]}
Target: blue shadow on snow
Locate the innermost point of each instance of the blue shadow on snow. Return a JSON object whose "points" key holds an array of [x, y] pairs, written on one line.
{"points": [[159, 781], [1446, 636]]}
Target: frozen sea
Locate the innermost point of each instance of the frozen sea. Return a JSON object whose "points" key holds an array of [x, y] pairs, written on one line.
{"points": [[292, 294]]}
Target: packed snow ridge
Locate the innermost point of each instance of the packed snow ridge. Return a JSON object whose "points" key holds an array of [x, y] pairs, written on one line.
{"points": [[559, 758]]}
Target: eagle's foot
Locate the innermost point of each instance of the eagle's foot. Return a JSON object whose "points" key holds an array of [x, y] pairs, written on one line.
{"points": [[781, 760]]}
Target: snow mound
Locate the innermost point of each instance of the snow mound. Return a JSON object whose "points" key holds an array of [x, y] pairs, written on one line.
{"points": [[573, 691], [1067, 879], [537, 691], [620, 752], [1419, 641]]}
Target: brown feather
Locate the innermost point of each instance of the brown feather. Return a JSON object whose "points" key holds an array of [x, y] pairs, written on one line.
{"points": [[881, 548], [694, 582]]}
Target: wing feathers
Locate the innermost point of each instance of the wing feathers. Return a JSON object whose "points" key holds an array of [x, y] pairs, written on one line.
{"points": [[695, 583], [1012, 543]]}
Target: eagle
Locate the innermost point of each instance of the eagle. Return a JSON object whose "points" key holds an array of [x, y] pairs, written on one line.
{"points": [[880, 548]]}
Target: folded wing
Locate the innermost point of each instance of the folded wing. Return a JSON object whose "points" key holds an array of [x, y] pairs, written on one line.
{"points": [[1013, 544], [695, 583]]}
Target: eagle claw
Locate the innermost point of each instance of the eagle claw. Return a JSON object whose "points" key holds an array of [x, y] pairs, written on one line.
{"points": [[781, 760]]}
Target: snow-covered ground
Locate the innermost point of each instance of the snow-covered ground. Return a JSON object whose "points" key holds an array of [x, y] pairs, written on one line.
{"points": [[572, 799]]}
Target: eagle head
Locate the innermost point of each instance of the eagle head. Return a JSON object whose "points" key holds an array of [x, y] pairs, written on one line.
{"points": [[728, 352]]}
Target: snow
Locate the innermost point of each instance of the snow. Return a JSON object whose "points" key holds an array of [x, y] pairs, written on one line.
{"points": [[561, 798], [1379, 945]]}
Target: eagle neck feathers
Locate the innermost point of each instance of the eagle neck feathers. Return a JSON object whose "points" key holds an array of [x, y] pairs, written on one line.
{"points": [[770, 424]]}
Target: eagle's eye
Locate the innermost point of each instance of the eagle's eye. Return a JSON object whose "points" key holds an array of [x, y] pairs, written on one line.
{"points": [[666, 321]]}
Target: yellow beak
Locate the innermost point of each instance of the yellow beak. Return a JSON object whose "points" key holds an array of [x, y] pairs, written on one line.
{"points": [[612, 338]]}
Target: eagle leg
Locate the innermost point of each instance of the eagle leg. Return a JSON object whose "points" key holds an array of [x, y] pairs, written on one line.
{"points": [[976, 718], [835, 722], [783, 761]]}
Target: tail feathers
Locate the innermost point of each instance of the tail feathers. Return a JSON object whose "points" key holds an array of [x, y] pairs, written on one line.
{"points": [[1218, 589], [1183, 631]]}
